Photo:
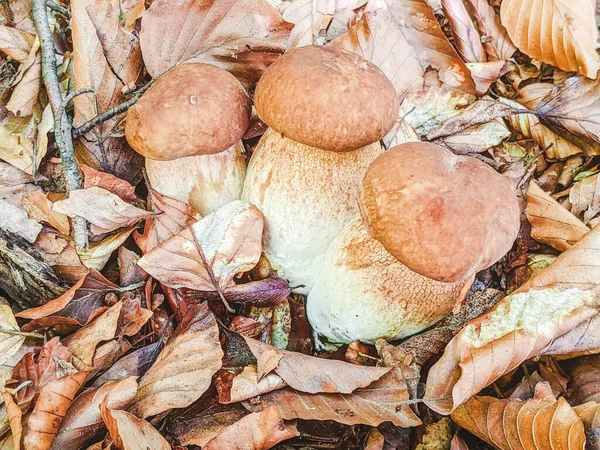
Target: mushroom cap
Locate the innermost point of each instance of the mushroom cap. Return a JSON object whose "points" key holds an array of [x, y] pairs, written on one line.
{"points": [[327, 98], [364, 293], [194, 109], [444, 216]]}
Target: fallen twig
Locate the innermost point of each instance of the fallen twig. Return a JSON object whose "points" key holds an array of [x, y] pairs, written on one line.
{"points": [[57, 8], [62, 128]]}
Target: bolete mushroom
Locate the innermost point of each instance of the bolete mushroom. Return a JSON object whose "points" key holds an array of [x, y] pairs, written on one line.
{"points": [[189, 126], [327, 109], [427, 215]]}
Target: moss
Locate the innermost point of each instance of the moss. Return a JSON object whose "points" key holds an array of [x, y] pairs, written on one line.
{"points": [[438, 435]]}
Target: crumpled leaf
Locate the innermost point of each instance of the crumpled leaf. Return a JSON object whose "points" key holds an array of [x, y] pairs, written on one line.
{"points": [[61, 253], [108, 181], [590, 416], [466, 36], [585, 197], [15, 43], [310, 374], [106, 58], [127, 431], [135, 363], [9, 343], [555, 312], [247, 385], [39, 208], [497, 44], [99, 253], [311, 20], [208, 254], [585, 379], [169, 217], [551, 223], [183, 369], [242, 36], [104, 210], [379, 402], [77, 304], [484, 74], [477, 139], [555, 32], [16, 220], [376, 39], [15, 185], [541, 422], [256, 431]]}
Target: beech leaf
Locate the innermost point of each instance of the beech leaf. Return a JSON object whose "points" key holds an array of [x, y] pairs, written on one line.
{"points": [[466, 36], [183, 370], [242, 36], [497, 44], [585, 197], [9, 343], [117, 186], [585, 379], [39, 208], [208, 254], [540, 422], [555, 312], [99, 253]]}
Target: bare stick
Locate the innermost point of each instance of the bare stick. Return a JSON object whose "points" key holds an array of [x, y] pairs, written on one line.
{"points": [[109, 113], [62, 128], [57, 8]]}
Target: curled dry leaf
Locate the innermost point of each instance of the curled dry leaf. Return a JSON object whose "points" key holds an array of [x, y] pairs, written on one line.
{"points": [[15, 43], [15, 416], [377, 39], [135, 363], [184, 368], [10, 343], [169, 217], [540, 422], [99, 253], [310, 374], [555, 312], [18, 141], [39, 208], [585, 197], [108, 181], [242, 36], [76, 305], [207, 255], [551, 223], [256, 431], [477, 139], [269, 292], [104, 210], [555, 32], [497, 44], [247, 385], [380, 402], [458, 443], [585, 379], [106, 58], [590, 416], [484, 74], [466, 37]]}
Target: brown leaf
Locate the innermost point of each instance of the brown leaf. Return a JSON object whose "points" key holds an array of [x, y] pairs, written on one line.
{"points": [[242, 36], [379, 402], [77, 304], [106, 58], [135, 363], [458, 443], [310, 374], [183, 369], [551, 223], [169, 217], [420, 28], [15, 43], [477, 139], [376, 39], [104, 210], [585, 379], [99, 253], [18, 141], [39, 208], [84, 420], [269, 292], [484, 74], [15, 416], [247, 385], [9, 343], [555, 312], [585, 197], [590, 416], [531, 95], [466, 37], [554, 32], [61, 253], [25, 93], [256, 431], [541, 422], [497, 44], [208, 254], [117, 186]]}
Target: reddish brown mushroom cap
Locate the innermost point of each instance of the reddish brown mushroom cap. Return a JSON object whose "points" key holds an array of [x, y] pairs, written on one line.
{"points": [[327, 98], [194, 109], [443, 216]]}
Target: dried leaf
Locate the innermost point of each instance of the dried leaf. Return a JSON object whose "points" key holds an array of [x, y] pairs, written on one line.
{"points": [[25, 93], [497, 44], [555, 312], [466, 37], [39, 208], [103, 209], [376, 39], [484, 74], [379, 402], [531, 95], [458, 443], [269, 292], [99, 253], [106, 58], [16, 220], [217, 247], [590, 416], [551, 223], [17, 142], [183, 369], [477, 139], [169, 217], [310, 374], [15, 416], [585, 197], [541, 422], [256, 431], [247, 385], [9, 343], [15, 43], [61, 253], [117, 186], [242, 36], [135, 363], [311, 20], [555, 32], [585, 379], [77, 304]]}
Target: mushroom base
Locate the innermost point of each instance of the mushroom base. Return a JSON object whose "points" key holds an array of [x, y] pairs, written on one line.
{"points": [[364, 293], [307, 195], [204, 182]]}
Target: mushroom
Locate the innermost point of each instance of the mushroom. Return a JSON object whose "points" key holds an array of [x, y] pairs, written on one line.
{"points": [[430, 221], [189, 126], [327, 109]]}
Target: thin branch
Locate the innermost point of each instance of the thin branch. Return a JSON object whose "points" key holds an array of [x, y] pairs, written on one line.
{"points": [[57, 8], [62, 128], [109, 113]]}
